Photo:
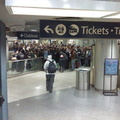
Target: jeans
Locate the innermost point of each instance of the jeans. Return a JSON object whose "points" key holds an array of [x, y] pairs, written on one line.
{"points": [[86, 62], [73, 64], [49, 82]]}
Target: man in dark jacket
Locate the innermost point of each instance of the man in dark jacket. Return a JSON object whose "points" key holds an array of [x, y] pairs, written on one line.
{"points": [[62, 63]]}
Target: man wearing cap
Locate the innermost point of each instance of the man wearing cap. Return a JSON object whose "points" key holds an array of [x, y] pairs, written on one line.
{"points": [[49, 76], [62, 63]]}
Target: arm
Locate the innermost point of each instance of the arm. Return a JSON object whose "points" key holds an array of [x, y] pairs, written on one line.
{"points": [[46, 65], [55, 63]]}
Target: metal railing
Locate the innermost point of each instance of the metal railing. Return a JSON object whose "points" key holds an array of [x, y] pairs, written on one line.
{"points": [[18, 67]]}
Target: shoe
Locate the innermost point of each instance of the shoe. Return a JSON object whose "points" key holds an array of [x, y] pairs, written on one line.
{"points": [[50, 91]]}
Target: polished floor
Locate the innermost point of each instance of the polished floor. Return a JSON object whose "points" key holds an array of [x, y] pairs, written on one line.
{"points": [[29, 100]]}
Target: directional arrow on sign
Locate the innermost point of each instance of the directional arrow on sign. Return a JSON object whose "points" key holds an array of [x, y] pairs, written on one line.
{"points": [[48, 30]]}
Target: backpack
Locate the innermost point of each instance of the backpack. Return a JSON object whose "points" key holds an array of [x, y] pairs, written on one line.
{"points": [[51, 67]]}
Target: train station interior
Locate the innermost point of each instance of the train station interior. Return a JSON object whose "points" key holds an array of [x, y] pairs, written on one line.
{"points": [[86, 87]]}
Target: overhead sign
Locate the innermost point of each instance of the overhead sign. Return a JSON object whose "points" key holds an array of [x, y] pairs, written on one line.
{"points": [[78, 29], [111, 67], [28, 35]]}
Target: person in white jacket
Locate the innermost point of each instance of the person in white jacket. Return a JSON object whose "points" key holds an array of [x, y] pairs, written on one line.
{"points": [[49, 76]]}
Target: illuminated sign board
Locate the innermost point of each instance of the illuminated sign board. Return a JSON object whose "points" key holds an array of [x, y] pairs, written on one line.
{"points": [[111, 67]]}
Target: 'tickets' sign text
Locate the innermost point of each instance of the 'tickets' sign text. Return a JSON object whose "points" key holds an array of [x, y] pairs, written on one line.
{"points": [[78, 29]]}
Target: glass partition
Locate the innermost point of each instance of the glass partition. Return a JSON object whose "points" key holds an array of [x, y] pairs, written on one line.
{"points": [[24, 66]]}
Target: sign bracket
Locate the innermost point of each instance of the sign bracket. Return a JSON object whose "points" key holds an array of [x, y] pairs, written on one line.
{"points": [[110, 92]]}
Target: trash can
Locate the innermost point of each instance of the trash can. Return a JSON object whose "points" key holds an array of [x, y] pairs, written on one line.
{"points": [[83, 78]]}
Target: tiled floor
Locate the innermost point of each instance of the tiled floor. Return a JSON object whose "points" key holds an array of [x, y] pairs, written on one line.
{"points": [[28, 100], [35, 84]]}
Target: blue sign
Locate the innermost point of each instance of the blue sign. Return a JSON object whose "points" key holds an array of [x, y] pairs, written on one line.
{"points": [[111, 66], [28, 35], [78, 29]]}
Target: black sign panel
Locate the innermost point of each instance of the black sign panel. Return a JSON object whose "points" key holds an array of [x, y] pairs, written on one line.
{"points": [[28, 35], [78, 29], [111, 67]]}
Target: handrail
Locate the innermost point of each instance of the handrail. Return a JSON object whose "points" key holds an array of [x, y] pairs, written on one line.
{"points": [[24, 66], [23, 59]]}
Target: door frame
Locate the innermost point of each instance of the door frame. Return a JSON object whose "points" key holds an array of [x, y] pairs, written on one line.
{"points": [[3, 72]]}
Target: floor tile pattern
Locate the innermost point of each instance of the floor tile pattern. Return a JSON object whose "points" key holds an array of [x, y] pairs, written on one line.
{"points": [[28, 100]]}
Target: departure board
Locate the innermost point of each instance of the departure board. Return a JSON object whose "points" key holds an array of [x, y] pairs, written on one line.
{"points": [[111, 66]]}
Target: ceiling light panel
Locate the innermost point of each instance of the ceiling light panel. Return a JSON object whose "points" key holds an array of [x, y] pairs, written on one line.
{"points": [[117, 16], [60, 12]]}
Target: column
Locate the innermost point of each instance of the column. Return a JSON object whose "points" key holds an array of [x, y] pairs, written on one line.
{"points": [[104, 49]]}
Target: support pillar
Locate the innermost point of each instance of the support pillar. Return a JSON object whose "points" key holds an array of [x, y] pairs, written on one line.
{"points": [[104, 49]]}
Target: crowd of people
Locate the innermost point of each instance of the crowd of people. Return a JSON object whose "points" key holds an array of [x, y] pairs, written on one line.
{"points": [[66, 56]]}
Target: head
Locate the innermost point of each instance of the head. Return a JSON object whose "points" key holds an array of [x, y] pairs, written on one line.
{"points": [[61, 56], [49, 57]]}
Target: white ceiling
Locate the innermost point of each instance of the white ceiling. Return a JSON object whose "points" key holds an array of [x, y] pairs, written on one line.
{"points": [[18, 22], [27, 22]]}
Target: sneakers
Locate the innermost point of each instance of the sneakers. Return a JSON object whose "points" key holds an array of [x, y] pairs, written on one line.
{"points": [[50, 91]]}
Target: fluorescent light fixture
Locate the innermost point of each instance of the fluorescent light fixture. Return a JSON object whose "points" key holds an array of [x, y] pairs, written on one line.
{"points": [[65, 0], [66, 5], [117, 16], [60, 12]]}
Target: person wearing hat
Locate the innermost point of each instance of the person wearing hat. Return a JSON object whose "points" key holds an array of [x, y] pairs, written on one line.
{"points": [[49, 75], [62, 63]]}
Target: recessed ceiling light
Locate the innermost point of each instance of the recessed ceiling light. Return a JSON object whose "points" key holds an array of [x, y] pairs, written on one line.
{"points": [[60, 12], [117, 16]]}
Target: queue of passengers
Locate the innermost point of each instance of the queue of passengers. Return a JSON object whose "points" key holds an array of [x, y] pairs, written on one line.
{"points": [[66, 56]]}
